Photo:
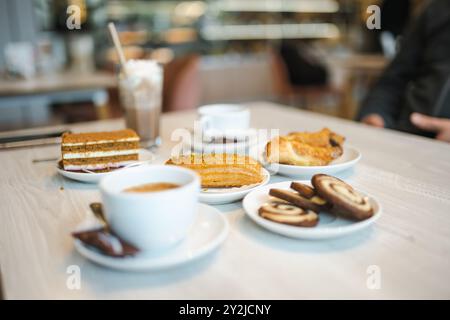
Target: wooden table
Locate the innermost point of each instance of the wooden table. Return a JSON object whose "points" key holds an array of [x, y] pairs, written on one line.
{"points": [[409, 245]]}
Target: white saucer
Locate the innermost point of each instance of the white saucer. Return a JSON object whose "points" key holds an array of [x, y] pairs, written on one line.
{"points": [[227, 195], [144, 155], [329, 226], [238, 147], [349, 159], [241, 134], [208, 231]]}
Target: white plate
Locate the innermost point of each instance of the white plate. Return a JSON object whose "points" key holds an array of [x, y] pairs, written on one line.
{"points": [[144, 155], [347, 160], [227, 195], [329, 226], [208, 232]]}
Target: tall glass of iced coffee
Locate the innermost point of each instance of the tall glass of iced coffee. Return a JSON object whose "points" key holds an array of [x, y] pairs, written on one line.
{"points": [[140, 88]]}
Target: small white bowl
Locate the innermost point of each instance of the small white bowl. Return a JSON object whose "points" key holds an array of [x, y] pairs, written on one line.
{"points": [[153, 220]]}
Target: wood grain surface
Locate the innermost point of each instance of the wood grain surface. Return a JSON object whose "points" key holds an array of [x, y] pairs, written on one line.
{"points": [[410, 244]]}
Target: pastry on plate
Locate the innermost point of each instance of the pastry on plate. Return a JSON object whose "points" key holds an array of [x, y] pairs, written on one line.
{"points": [[99, 151], [286, 213], [222, 170], [305, 148], [345, 200]]}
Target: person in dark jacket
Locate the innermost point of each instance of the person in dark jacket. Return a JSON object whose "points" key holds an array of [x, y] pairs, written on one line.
{"points": [[413, 94]]}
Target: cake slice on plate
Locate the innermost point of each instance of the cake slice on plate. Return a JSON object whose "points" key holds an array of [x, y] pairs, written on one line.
{"points": [[99, 151]]}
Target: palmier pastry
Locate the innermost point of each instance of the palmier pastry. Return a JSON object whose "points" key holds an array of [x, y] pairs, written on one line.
{"points": [[345, 200], [222, 170], [286, 213], [298, 200]]}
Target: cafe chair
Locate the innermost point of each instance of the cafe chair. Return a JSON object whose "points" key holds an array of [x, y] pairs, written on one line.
{"points": [[305, 97]]}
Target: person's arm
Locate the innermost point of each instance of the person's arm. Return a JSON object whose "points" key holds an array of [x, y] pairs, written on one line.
{"points": [[382, 105], [439, 125]]}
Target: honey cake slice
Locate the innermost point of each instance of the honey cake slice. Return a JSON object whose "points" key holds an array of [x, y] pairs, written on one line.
{"points": [[222, 170], [99, 151]]}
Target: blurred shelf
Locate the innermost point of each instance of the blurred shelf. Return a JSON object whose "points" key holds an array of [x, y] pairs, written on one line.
{"points": [[306, 6], [271, 31], [57, 82]]}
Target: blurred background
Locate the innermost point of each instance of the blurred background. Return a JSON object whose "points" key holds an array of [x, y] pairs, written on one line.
{"points": [[317, 55]]}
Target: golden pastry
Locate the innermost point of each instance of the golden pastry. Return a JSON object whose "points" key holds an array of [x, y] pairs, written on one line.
{"points": [[222, 170], [305, 148]]}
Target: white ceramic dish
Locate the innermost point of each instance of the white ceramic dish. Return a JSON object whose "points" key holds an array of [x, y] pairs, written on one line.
{"points": [[227, 195], [348, 160], [329, 226], [87, 177], [208, 232]]}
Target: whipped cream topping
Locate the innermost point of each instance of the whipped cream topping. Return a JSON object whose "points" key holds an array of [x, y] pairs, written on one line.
{"points": [[143, 69], [99, 154]]}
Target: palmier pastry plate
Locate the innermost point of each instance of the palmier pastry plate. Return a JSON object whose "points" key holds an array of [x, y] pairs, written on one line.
{"points": [[329, 226], [349, 159], [216, 196], [206, 234], [145, 156]]}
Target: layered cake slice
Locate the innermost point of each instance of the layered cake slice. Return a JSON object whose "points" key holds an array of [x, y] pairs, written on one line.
{"points": [[99, 151]]}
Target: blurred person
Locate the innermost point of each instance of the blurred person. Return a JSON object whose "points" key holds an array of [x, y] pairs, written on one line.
{"points": [[304, 66], [395, 16], [413, 94]]}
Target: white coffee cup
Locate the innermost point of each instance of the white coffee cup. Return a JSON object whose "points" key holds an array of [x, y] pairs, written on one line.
{"points": [[151, 220], [225, 119]]}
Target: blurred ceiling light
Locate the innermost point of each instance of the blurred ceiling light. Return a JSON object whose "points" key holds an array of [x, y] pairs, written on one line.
{"points": [[188, 11], [271, 31], [310, 6]]}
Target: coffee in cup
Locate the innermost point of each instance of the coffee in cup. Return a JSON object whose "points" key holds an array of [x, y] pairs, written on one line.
{"points": [[152, 220]]}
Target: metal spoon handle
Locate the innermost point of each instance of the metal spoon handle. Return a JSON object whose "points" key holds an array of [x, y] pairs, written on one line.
{"points": [[97, 209]]}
